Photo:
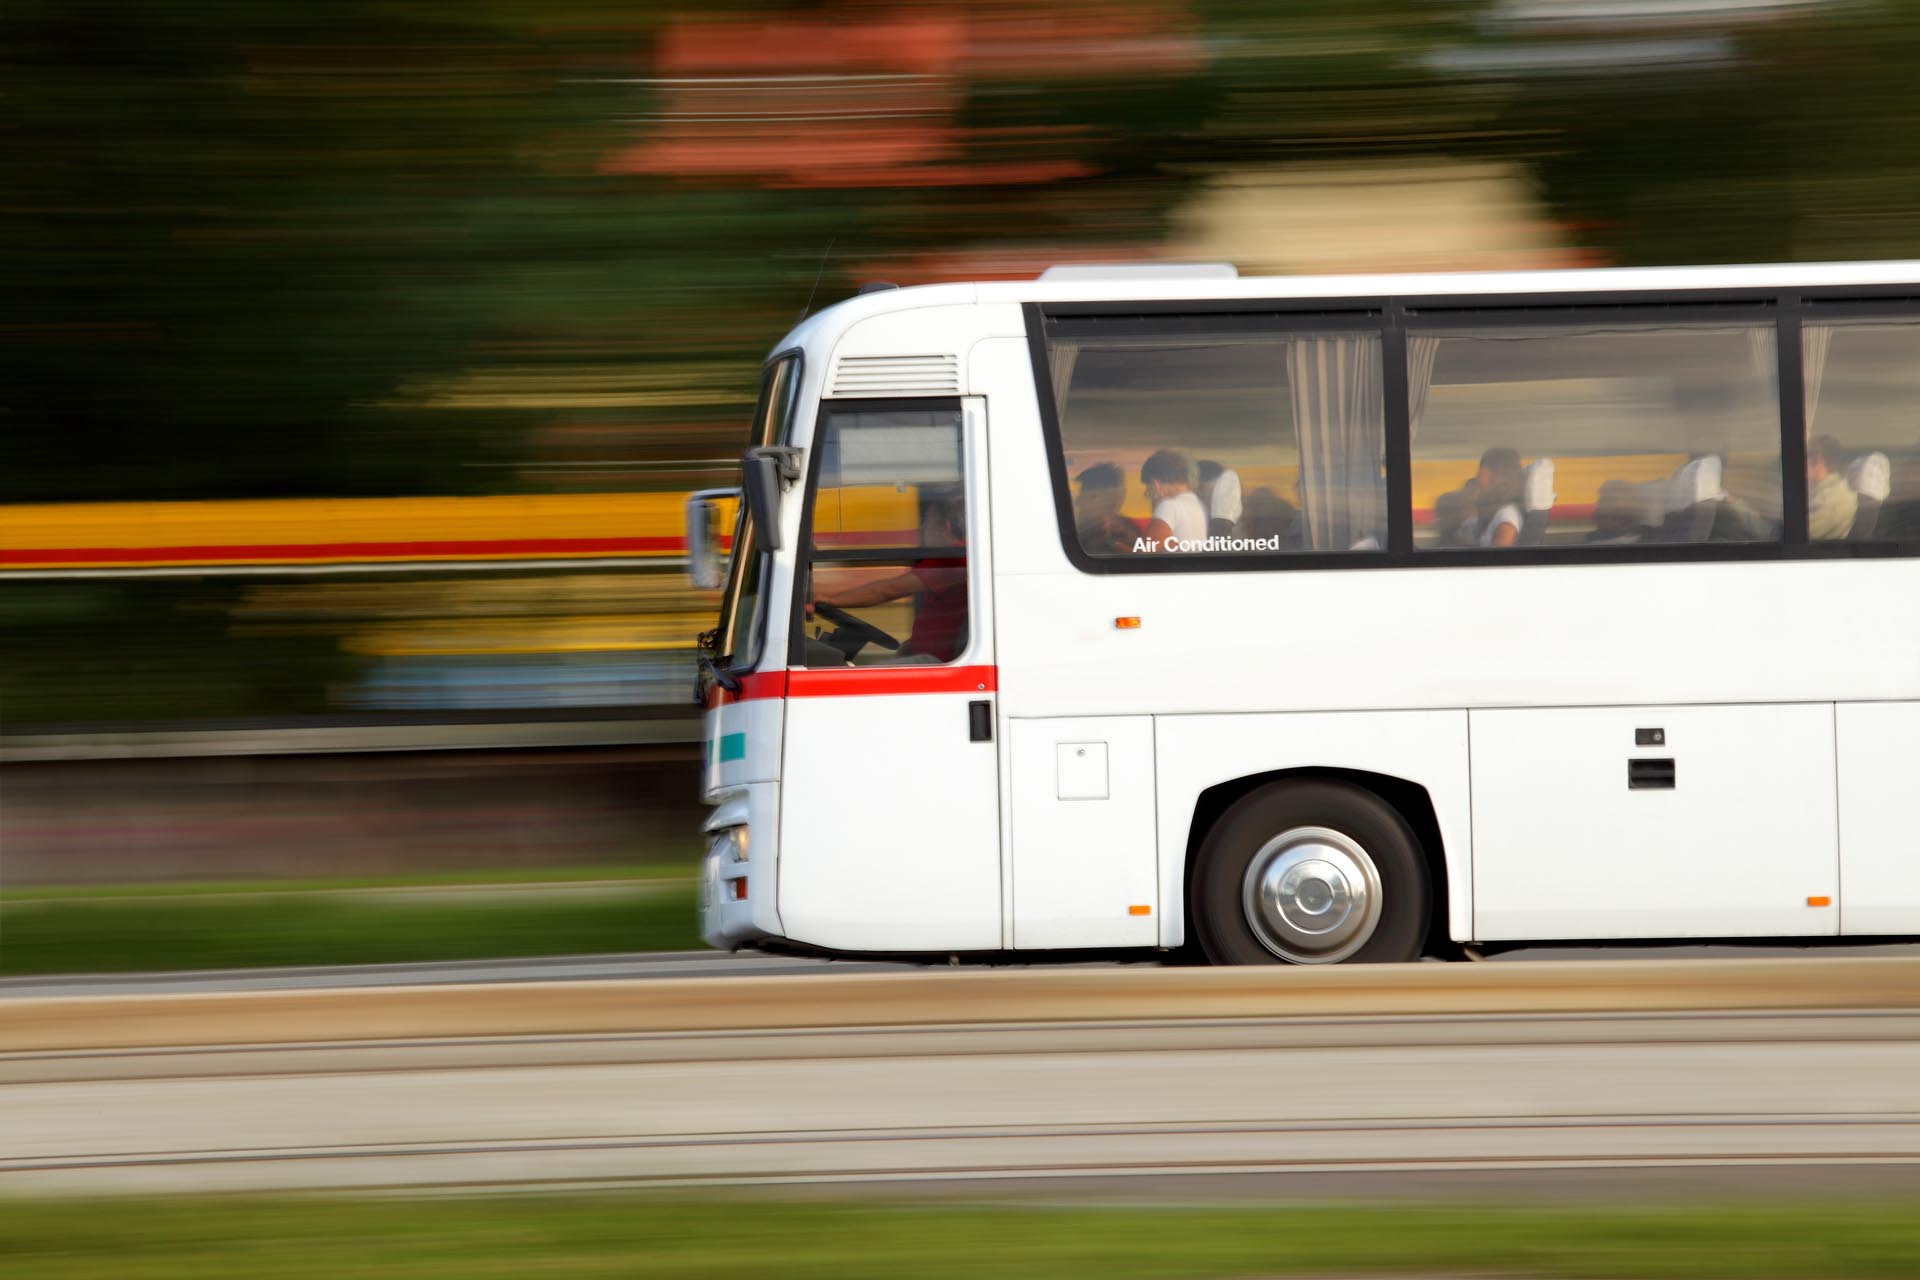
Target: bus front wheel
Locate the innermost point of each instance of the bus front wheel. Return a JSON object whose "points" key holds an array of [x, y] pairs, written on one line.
{"points": [[1310, 873]]}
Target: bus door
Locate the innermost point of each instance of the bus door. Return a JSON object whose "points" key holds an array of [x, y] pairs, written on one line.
{"points": [[890, 818]]}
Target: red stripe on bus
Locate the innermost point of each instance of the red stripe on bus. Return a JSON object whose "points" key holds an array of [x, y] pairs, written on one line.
{"points": [[759, 684], [891, 680], [230, 553], [865, 682]]}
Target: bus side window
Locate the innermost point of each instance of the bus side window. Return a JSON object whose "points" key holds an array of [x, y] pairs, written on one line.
{"points": [[1222, 443], [1646, 431], [1862, 378]]}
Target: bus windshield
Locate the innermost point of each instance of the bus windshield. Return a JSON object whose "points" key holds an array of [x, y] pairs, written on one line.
{"points": [[736, 642], [733, 641]]}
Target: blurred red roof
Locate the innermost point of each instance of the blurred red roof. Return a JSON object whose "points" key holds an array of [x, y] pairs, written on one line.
{"points": [[871, 95]]}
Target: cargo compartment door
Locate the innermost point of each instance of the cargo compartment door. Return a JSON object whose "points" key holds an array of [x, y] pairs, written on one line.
{"points": [[1654, 822]]}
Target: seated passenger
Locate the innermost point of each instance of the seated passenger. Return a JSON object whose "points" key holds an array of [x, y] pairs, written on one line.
{"points": [[1096, 512], [1497, 512], [937, 585], [1268, 515], [1619, 513], [1219, 491], [1453, 521], [1831, 501], [1178, 516]]}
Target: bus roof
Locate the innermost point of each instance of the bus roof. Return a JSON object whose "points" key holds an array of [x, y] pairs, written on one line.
{"points": [[1181, 288]]}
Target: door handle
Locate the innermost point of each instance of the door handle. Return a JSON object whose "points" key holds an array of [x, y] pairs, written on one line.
{"points": [[1650, 775], [980, 721]]}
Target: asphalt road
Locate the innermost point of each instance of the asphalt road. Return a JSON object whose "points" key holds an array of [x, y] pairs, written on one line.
{"points": [[1776, 1098]]}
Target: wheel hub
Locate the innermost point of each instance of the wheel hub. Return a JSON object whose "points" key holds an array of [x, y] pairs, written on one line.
{"points": [[1312, 895]]}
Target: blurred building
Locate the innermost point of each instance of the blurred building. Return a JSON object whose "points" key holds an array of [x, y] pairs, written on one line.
{"points": [[1369, 216]]}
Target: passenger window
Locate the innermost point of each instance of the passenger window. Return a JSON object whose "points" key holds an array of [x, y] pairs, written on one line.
{"points": [[1223, 443], [886, 574], [1594, 434], [1863, 434]]}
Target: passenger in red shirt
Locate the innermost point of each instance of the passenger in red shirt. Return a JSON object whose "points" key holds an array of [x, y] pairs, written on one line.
{"points": [[938, 585]]}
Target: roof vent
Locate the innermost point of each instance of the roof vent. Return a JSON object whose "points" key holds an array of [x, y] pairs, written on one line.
{"points": [[896, 376], [877, 286], [1143, 271]]}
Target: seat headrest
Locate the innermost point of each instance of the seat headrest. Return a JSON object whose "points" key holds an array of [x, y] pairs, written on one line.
{"points": [[1696, 482], [1871, 476], [1536, 485]]}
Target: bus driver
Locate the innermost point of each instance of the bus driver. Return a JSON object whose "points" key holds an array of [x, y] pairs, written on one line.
{"points": [[936, 583]]}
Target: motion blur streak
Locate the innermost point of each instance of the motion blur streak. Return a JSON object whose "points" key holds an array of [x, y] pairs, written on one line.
{"points": [[339, 531]]}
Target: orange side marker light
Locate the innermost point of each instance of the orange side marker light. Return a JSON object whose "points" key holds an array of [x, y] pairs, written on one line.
{"points": [[1139, 909], [1820, 900], [737, 889], [1126, 624]]}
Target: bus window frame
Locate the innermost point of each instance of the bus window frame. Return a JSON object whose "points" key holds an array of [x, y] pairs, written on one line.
{"points": [[1391, 317], [804, 554]]}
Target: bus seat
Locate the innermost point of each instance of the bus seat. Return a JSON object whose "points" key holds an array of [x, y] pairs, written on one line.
{"points": [[1692, 500], [1871, 478], [1536, 501]]}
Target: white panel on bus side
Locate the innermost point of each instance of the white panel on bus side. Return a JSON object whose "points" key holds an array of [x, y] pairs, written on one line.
{"points": [[1083, 833], [1879, 761], [889, 825], [1026, 527], [1574, 840], [1619, 635]]}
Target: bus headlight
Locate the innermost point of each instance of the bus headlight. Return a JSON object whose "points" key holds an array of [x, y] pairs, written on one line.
{"points": [[730, 843]]}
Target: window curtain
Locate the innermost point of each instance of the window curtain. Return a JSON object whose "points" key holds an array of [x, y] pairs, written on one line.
{"points": [[1815, 340], [1422, 350], [1334, 385], [1761, 354], [1061, 357]]}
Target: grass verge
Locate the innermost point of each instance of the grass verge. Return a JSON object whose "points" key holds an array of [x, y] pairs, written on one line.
{"points": [[241, 926], [634, 1236]]}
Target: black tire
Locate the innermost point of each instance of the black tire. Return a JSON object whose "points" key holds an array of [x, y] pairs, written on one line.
{"points": [[1224, 907]]}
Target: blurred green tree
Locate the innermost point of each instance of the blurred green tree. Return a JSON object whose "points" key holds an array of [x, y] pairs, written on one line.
{"points": [[400, 247]]}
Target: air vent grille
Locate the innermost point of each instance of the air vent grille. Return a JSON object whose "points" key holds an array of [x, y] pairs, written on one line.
{"points": [[897, 376]]}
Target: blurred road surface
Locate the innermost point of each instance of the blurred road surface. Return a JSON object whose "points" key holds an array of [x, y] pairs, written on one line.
{"points": [[648, 964], [716, 964], [1358, 1100]]}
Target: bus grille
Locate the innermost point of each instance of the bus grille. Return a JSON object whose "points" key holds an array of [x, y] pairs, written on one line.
{"points": [[897, 376]]}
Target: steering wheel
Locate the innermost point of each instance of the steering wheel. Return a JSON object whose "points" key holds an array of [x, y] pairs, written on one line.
{"points": [[852, 631]]}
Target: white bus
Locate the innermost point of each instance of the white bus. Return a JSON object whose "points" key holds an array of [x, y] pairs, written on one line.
{"points": [[1324, 619]]}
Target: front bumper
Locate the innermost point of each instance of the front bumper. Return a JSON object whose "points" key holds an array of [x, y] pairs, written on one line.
{"points": [[736, 894]]}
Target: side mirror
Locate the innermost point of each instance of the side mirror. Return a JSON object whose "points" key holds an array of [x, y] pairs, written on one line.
{"points": [[705, 565], [760, 476]]}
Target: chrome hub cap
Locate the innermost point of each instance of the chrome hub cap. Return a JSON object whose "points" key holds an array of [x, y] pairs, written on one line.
{"points": [[1312, 895]]}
